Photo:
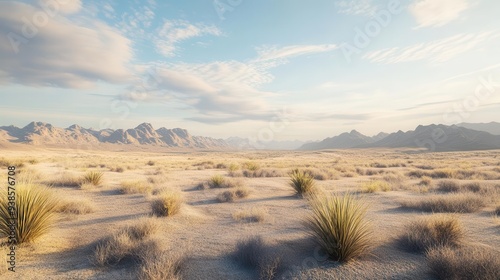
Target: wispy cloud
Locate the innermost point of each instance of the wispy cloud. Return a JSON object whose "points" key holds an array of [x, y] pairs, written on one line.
{"points": [[435, 52], [172, 32], [360, 7], [435, 13], [61, 53], [276, 55]]}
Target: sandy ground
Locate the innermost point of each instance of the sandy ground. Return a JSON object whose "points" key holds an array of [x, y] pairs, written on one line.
{"points": [[207, 227]]}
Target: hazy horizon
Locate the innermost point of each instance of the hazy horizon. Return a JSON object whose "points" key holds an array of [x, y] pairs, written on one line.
{"points": [[282, 70]]}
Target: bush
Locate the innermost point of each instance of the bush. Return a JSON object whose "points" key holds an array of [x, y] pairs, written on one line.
{"points": [[464, 263], [322, 174], [125, 244], [429, 232], [75, 206], [425, 181], [451, 203], [233, 194], [258, 215], [301, 182], [339, 225], [167, 203], [160, 265], [217, 181], [93, 177], [132, 187], [374, 186], [35, 206], [256, 254], [448, 186]]}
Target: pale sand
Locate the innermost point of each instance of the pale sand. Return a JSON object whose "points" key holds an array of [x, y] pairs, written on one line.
{"points": [[208, 228]]}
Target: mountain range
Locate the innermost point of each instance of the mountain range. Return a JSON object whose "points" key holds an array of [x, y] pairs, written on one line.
{"points": [[461, 137]]}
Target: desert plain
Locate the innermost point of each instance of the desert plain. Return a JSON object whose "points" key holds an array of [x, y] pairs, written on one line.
{"points": [[209, 236]]}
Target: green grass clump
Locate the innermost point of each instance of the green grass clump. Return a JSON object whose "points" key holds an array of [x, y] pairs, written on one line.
{"points": [[93, 177], [302, 182], [35, 206], [339, 225]]}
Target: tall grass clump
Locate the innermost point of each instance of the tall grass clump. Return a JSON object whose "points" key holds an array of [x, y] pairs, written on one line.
{"points": [[167, 203], [374, 186], [339, 225], [463, 263], [449, 203], [302, 182], [93, 177], [426, 233], [35, 206]]}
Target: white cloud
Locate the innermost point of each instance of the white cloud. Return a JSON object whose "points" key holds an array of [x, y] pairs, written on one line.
{"points": [[279, 55], [59, 52], [359, 7], [62, 6], [175, 31], [435, 52], [435, 13]]}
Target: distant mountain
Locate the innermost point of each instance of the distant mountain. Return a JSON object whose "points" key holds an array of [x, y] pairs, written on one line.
{"points": [[245, 143], [432, 137], [342, 141], [40, 133], [492, 127]]}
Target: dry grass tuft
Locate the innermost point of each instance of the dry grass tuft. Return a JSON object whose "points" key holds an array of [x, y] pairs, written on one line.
{"points": [[464, 263], [219, 181], [375, 186], [160, 265], [450, 203], [35, 206], [432, 231], [93, 177], [302, 182], [448, 186], [65, 179], [233, 194], [256, 254], [167, 203], [252, 215], [76, 206], [339, 225], [133, 187]]}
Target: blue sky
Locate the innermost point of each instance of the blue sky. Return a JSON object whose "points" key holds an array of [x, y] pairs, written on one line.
{"points": [[281, 70]]}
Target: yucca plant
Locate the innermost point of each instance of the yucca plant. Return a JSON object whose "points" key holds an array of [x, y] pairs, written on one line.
{"points": [[339, 226], [302, 182], [93, 177], [35, 206]]}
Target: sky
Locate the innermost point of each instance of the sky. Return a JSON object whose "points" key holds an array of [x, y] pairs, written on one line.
{"points": [[261, 69]]}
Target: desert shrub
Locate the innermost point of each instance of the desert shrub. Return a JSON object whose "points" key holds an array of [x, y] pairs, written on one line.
{"points": [[321, 174], [442, 173], [125, 244], [339, 225], [118, 169], [76, 206], [65, 179], [217, 181], [252, 166], [463, 263], [256, 254], [448, 186], [425, 181], [35, 206], [425, 167], [233, 167], [301, 182], [132, 187], [374, 186], [233, 194], [394, 180], [378, 165], [451, 203], [429, 232], [150, 163], [93, 177], [473, 187], [158, 265], [254, 214], [258, 173], [167, 203], [418, 174]]}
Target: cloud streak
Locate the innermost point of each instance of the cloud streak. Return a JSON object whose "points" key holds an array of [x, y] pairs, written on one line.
{"points": [[432, 13]]}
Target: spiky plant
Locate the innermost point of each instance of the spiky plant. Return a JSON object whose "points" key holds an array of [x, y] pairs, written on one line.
{"points": [[35, 205], [302, 182], [339, 226], [93, 177], [216, 181]]}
